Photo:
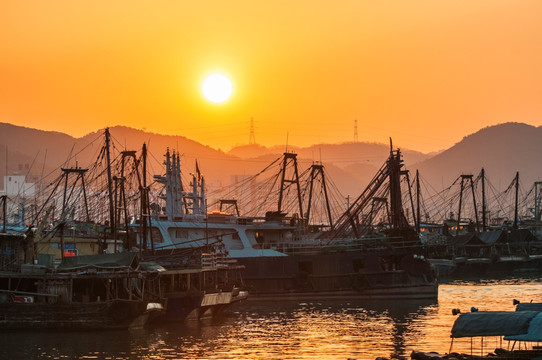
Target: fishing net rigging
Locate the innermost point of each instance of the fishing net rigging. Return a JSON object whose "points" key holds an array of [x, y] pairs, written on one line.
{"points": [[478, 198], [279, 188]]}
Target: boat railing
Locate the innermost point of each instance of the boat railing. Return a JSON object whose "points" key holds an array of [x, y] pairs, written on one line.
{"points": [[339, 245], [214, 260], [260, 220]]}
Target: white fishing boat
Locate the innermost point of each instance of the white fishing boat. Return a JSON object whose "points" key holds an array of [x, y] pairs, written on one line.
{"points": [[283, 261]]}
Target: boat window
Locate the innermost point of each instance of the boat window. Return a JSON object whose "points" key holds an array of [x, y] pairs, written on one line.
{"points": [[259, 237], [211, 234], [181, 234], [234, 242], [157, 236], [389, 263]]}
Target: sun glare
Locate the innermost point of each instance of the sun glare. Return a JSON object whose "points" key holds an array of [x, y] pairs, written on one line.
{"points": [[217, 88]]}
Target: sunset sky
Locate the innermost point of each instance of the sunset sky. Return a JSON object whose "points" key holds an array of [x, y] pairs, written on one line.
{"points": [[425, 73]]}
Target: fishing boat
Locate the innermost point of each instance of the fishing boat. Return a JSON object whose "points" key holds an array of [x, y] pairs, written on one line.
{"points": [[194, 284], [97, 292], [284, 257], [461, 248], [518, 334], [283, 260], [191, 283]]}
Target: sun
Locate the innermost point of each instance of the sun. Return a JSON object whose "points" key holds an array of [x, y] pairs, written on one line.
{"points": [[217, 88]]}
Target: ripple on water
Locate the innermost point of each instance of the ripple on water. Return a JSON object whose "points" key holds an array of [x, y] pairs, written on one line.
{"points": [[289, 330]]}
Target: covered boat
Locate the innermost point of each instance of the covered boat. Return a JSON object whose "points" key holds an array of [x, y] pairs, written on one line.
{"points": [[86, 292], [522, 330]]}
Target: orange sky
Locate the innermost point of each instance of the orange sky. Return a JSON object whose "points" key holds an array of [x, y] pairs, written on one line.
{"points": [[423, 72]]}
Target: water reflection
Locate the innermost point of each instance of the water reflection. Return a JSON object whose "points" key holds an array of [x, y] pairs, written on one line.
{"points": [[287, 330], [293, 330]]}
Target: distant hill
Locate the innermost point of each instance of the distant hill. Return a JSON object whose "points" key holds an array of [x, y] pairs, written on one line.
{"points": [[501, 150], [24, 151], [54, 149], [341, 155], [351, 166], [36, 152]]}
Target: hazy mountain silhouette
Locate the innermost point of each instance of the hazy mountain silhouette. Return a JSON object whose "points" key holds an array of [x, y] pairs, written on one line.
{"points": [[500, 149], [351, 166], [341, 155], [24, 151], [65, 151]]}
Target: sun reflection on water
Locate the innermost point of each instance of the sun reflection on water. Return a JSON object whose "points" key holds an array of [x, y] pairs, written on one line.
{"points": [[290, 330]]}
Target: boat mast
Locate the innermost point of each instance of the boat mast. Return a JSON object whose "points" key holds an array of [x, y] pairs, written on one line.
{"points": [[318, 169], [177, 196], [536, 210], [414, 213], [398, 219], [463, 179], [349, 221], [4, 211], [80, 174], [110, 186], [169, 187], [460, 203], [484, 214], [290, 157], [418, 215], [516, 205], [475, 207], [66, 173], [145, 209]]}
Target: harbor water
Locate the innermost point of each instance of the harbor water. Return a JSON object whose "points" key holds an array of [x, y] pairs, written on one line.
{"points": [[290, 330]]}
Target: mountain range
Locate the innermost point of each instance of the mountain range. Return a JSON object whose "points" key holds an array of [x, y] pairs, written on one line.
{"points": [[501, 150]]}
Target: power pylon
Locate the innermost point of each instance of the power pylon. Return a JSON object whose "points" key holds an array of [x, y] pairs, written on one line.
{"points": [[356, 130], [252, 139]]}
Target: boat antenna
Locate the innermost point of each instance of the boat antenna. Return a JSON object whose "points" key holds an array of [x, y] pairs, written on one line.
{"points": [[110, 185], [320, 155], [287, 141]]}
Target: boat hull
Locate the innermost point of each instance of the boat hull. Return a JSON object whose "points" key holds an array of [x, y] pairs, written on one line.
{"points": [[407, 293], [341, 276], [88, 316]]}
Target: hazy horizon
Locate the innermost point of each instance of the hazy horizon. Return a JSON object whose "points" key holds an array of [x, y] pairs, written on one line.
{"points": [[271, 146]]}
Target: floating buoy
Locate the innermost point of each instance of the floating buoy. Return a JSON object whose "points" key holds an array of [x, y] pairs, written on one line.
{"points": [[456, 311]]}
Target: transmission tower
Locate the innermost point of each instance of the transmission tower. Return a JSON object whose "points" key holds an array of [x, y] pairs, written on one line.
{"points": [[356, 130], [252, 139]]}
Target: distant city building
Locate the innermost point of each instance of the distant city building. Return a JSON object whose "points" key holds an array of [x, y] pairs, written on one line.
{"points": [[17, 185]]}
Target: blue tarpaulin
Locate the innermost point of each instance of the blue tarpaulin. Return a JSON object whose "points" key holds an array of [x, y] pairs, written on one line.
{"points": [[534, 333], [492, 323]]}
